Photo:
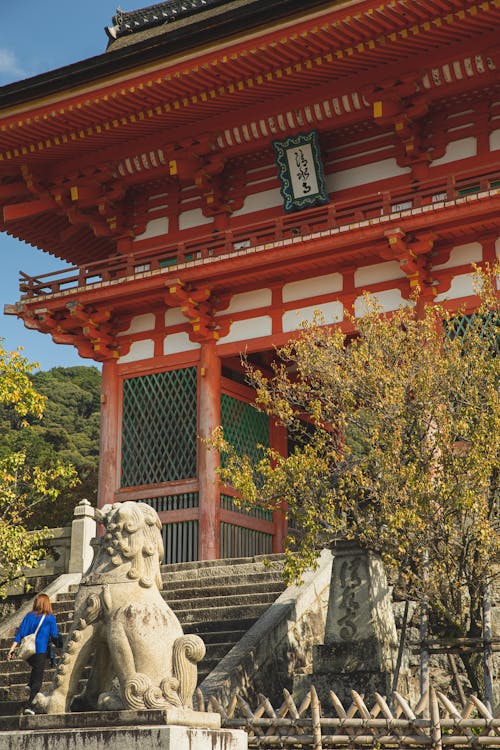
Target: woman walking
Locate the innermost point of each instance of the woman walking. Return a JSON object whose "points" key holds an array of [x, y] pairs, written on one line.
{"points": [[47, 629]]}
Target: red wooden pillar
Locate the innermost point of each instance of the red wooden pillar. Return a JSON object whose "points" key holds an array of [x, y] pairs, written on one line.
{"points": [[279, 441], [109, 439], [208, 458]]}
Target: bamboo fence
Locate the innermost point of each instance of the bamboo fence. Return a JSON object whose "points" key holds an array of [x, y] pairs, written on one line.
{"points": [[434, 723]]}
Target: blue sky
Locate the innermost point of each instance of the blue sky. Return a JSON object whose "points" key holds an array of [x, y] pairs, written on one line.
{"points": [[37, 36]]}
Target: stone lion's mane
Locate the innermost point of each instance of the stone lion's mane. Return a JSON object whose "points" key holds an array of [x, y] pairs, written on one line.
{"points": [[133, 534]]}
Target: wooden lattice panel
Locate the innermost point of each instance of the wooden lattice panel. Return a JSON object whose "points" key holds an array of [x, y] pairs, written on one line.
{"points": [[435, 722], [159, 427]]}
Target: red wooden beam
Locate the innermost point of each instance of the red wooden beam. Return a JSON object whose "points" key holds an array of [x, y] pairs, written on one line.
{"points": [[28, 208]]}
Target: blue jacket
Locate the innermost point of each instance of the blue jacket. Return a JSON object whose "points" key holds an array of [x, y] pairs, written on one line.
{"points": [[29, 624]]}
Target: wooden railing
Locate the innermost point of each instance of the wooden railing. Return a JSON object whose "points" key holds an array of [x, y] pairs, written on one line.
{"points": [[231, 241], [434, 722]]}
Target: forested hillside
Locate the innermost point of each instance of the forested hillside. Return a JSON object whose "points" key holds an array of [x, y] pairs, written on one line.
{"points": [[68, 432]]}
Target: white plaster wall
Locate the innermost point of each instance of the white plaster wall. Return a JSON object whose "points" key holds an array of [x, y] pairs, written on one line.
{"points": [[138, 350], [174, 316], [314, 287], [461, 149], [377, 273], [495, 140], [178, 342], [392, 299], [260, 201], [332, 312], [140, 323], [378, 170], [154, 228], [252, 328], [472, 252], [248, 301], [461, 286], [193, 218]]}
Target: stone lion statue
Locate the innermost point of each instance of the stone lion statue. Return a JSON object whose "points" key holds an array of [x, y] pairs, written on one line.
{"points": [[122, 626]]}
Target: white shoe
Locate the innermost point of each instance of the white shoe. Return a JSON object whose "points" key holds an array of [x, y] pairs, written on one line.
{"points": [[28, 712]]}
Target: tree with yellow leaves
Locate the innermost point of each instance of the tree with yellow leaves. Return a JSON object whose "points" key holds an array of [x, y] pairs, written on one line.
{"points": [[396, 434], [23, 489]]}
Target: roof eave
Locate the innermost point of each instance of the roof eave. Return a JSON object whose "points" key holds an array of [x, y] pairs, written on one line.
{"points": [[150, 50]]}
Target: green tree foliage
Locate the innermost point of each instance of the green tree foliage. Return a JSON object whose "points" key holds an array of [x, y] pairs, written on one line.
{"points": [[403, 455], [67, 433], [24, 485]]}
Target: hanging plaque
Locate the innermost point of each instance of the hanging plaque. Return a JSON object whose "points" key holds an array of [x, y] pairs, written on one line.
{"points": [[300, 171]]}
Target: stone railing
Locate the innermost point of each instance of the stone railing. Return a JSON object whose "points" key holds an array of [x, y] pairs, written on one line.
{"points": [[56, 560], [68, 548]]}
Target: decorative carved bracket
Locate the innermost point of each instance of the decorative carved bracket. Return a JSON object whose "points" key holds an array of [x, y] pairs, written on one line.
{"points": [[412, 251], [402, 104], [199, 162], [199, 306], [92, 331], [96, 199]]}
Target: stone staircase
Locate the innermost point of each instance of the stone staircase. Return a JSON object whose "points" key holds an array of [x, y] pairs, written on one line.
{"points": [[219, 600]]}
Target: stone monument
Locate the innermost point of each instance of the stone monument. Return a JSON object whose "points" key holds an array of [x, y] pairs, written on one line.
{"points": [[360, 646]]}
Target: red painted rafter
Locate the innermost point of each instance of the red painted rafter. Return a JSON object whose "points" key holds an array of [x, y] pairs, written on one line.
{"points": [[229, 67]]}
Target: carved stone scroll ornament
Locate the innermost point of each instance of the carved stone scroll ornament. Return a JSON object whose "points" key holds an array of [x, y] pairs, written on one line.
{"points": [[124, 628]]}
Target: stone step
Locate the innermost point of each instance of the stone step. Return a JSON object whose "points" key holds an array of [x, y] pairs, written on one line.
{"points": [[230, 618], [223, 577], [228, 586], [268, 591], [16, 666], [221, 614], [222, 602], [215, 573], [11, 708], [20, 676], [216, 637], [224, 563], [175, 587], [21, 693], [221, 567], [229, 568], [205, 628]]}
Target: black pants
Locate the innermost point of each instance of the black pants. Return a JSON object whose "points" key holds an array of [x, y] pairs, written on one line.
{"points": [[37, 664]]}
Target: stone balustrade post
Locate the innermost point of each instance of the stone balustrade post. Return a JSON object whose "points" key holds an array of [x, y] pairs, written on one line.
{"points": [[83, 529]]}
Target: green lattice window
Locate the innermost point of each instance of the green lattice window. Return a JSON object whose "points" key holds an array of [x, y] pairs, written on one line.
{"points": [[159, 427], [457, 328], [244, 427]]}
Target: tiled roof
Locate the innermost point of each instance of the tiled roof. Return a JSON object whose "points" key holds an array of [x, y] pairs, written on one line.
{"points": [[128, 22]]}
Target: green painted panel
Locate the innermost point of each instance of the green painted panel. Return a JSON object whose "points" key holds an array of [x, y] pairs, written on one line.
{"points": [[159, 428]]}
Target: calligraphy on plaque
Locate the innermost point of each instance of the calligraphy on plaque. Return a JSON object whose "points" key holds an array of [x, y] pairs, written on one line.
{"points": [[300, 171]]}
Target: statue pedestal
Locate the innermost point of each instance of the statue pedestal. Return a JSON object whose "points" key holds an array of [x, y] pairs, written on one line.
{"points": [[116, 730]]}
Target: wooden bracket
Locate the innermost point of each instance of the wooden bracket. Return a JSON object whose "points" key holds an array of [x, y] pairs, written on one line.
{"points": [[413, 253], [93, 331], [199, 306]]}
